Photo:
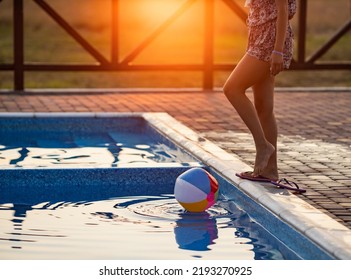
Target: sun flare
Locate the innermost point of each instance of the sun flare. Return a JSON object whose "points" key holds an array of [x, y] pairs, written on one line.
{"points": [[156, 9]]}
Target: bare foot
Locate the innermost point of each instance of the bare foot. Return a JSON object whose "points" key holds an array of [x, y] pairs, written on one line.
{"points": [[270, 173], [262, 158]]}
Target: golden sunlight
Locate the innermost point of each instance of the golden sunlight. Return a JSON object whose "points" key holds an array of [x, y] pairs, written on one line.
{"points": [[142, 17], [154, 10]]}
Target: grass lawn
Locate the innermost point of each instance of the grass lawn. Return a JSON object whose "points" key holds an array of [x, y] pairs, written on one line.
{"points": [[182, 42]]}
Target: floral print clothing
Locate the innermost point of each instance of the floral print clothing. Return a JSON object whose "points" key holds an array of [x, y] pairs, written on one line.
{"points": [[262, 11], [262, 29]]}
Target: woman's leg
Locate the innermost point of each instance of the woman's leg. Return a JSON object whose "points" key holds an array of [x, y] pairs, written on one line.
{"points": [[248, 72], [264, 103]]}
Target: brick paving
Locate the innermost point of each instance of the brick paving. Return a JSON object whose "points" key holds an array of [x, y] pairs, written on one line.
{"points": [[314, 131]]}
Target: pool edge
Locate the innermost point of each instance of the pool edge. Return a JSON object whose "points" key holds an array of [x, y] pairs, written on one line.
{"points": [[329, 234]]}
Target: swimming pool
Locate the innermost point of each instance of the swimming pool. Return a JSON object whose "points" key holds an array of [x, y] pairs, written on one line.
{"points": [[107, 208], [128, 221]]}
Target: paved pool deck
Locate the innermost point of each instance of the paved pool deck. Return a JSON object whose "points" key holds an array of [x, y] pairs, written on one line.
{"points": [[314, 129]]}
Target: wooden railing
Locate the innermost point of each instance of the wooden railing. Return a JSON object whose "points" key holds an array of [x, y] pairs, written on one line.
{"points": [[115, 63]]}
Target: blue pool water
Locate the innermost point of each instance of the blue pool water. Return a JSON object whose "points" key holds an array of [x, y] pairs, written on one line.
{"points": [[134, 227], [133, 222], [78, 142], [120, 205]]}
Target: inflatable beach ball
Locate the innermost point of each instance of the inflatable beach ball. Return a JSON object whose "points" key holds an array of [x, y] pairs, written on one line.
{"points": [[196, 190]]}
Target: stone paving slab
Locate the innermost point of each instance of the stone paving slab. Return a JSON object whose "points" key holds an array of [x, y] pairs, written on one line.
{"points": [[314, 130]]}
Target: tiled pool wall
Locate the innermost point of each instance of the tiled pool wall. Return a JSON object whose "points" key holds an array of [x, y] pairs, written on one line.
{"points": [[101, 183], [38, 185]]}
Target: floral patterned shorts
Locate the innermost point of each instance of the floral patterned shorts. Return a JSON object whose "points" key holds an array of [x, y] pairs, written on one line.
{"points": [[262, 39]]}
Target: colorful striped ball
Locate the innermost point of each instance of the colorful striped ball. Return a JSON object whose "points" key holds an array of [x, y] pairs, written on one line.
{"points": [[196, 190]]}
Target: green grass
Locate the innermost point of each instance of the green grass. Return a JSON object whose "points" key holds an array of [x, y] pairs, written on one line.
{"points": [[181, 43]]}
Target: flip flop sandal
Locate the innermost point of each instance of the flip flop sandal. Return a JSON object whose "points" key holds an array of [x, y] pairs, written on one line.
{"points": [[289, 185], [282, 183], [248, 176]]}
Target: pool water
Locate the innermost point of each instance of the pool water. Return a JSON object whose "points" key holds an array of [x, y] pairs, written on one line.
{"points": [[73, 142], [134, 227], [102, 188]]}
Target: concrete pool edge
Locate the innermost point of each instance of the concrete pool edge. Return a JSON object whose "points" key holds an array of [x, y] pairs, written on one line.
{"points": [[329, 234]]}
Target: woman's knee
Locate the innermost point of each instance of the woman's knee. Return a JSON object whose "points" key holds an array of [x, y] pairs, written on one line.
{"points": [[232, 89], [227, 90], [264, 110], [264, 98]]}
